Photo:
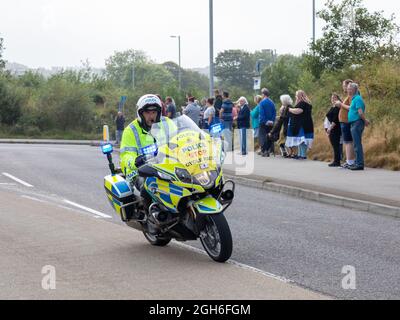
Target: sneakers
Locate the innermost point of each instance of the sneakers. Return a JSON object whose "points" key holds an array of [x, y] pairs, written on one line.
{"points": [[356, 168], [345, 166], [334, 165], [283, 151]]}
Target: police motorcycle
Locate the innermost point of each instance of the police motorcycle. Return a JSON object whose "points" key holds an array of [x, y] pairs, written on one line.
{"points": [[182, 175]]}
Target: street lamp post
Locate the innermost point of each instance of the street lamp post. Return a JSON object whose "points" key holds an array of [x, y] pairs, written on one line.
{"points": [[180, 73], [211, 48], [133, 71], [313, 21], [133, 76], [353, 28]]}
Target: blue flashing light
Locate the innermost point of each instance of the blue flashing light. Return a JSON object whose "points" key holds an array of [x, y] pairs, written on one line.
{"points": [[107, 148]]}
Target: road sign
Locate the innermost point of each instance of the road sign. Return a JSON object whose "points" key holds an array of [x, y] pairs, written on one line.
{"points": [[122, 103], [257, 83]]}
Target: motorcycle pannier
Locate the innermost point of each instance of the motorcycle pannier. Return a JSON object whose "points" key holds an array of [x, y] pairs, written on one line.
{"points": [[121, 196]]}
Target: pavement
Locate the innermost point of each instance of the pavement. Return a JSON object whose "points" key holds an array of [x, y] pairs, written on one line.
{"points": [[373, 190], [93, 259]]}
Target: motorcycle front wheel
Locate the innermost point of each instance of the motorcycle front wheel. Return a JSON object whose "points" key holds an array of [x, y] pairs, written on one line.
{"points": [[216, 238]]}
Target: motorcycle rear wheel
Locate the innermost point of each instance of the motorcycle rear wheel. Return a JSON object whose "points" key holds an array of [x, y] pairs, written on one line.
{"points": [[216, 238], [155, 240]]}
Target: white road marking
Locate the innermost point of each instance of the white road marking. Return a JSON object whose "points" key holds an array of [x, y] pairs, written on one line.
{"points": [[34, 199], [6, 184], [17, 180], [88, 209], [238, 264], [68, 208]]}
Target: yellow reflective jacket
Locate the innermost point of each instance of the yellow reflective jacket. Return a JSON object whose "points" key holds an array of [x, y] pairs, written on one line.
{"points": [[134, 139]]}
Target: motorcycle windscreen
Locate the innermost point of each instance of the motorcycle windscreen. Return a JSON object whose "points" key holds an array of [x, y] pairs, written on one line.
{"points": [[181, 140]]}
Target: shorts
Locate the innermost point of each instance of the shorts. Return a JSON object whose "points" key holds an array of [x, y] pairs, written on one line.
{"points": [[346, 133]]}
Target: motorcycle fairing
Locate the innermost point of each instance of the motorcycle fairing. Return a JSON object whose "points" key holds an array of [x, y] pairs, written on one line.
{"points": [[167, 193], [208, 206]]}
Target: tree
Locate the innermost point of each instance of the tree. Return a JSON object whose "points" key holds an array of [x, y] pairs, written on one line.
{"points": [[190, 78], [267, 58], [120, 65], [2, 62], [235, 68], [351, 35], [282, 76], [65, 105], [31, 79], [10, 101]]}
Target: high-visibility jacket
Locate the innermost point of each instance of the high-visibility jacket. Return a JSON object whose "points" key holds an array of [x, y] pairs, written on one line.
{"points": [[134, 140]]}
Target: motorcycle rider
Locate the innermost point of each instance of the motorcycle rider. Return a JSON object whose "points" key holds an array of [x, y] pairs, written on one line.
{"points": [[137, 140]]}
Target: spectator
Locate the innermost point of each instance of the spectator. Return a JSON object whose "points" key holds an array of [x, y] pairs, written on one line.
{"points": [[346, 130], [301, 126], [235, 113], [120, 125], [209, 114], [334, 131], [171, 108], [227, 119], [200, 121], [192, 110], [217, 104], [357, 122], [267, 120], [203, 107], [243, 122], [283, 122], [164, 107], [255, 118]]}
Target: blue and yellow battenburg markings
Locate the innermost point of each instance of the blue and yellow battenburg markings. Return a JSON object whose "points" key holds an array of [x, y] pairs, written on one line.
{"points": [[117, 186], [115, 204], [208, 205], [169, 194]]}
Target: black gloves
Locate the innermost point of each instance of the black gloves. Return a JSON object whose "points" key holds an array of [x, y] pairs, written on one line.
{"points": [[140, 161]]}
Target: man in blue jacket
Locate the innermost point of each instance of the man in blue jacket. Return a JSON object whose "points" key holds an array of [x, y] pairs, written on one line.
{"points": [[227, 119], [267, 120]]}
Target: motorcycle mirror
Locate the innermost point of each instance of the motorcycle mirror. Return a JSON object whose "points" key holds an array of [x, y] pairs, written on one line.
{"points": [[107, 148]]}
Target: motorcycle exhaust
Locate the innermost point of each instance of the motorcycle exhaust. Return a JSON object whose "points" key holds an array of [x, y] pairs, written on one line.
{"points": [[227, 195]]}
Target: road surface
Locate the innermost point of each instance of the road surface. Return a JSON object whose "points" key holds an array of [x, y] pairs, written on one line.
{"points": [[306, 243]]}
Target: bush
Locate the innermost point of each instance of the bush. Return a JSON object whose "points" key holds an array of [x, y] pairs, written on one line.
{"points": [[10, 102], [65, 105]]}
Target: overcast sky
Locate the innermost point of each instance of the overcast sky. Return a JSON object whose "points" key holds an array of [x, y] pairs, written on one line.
{"points": [[45, 33]]}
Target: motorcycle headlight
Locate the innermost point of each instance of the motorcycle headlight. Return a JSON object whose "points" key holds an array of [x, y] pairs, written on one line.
{"points": [[207, 179], [183, 175]]}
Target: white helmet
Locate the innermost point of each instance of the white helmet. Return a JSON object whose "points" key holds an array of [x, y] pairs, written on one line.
{"points": [[148, 102]]}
